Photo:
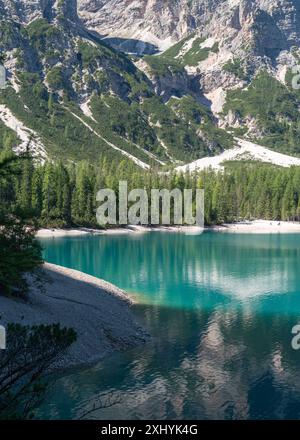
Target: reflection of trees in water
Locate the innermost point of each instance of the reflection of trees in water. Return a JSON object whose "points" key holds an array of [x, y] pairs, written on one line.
{"points": [[236, 265], [219, 361], [88, 409]]}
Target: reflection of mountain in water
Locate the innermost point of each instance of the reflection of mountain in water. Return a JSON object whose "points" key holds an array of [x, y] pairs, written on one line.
{"points": [[217, 352], [214, 365], [162, 268]]}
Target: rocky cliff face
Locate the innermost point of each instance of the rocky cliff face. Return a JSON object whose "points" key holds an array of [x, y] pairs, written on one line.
{"points": [[162, 23], [156, 24], [71, 95], [26, 11], [220, 62], [262, 27], [267, 26]]}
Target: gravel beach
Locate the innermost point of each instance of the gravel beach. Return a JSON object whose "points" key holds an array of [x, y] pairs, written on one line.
{"points": [[247, 227], [98, 311]]}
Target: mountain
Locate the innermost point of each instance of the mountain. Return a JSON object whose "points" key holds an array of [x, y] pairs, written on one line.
{"points": [[143, 26], [161, 23], [158, 83]]}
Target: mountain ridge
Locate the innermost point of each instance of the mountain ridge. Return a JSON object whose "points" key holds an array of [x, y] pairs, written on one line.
{"points": [[169, 22], [80, 97]]}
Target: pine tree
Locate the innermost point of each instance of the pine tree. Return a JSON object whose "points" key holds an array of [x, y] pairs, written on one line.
{"points": [[36, 191], [49, 193], [24, 190]]}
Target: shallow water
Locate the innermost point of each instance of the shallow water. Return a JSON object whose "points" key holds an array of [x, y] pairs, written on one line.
{"points": [[220, 308]]}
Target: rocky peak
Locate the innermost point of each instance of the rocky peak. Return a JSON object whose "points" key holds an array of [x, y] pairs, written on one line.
{"points": [[26, 11], [162, 23], [157, 22], [151, 25]]}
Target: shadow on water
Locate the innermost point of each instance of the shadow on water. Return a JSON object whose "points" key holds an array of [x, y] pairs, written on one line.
{"points": [[220, 309]]}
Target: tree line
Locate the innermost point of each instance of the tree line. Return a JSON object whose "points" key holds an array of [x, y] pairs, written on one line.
{"points": [[60, 195], [30, 351]]}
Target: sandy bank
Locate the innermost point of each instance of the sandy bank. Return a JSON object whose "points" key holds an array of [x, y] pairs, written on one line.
{"points": [[254, 227], [98, 311], [259, 227], [48, 233]]}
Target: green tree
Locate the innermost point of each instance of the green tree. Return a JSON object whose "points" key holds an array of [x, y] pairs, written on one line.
{"points": [[19, 251], [30, 352]]}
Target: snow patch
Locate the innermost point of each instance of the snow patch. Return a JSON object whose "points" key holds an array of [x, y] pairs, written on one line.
{"points": [[234, 3], [281, 73], [208, 43], [84, 107], [186, 47], [29, 138], [213, 62], [218, 99], [148, 37], [243, 150], [144, 36]]}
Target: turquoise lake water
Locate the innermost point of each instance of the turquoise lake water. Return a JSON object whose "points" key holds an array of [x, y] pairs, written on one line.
{"points": [[220, 309]]}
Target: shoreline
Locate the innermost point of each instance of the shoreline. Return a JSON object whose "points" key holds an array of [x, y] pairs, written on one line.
{"points": [[245, 227], [258, 227], [98, 311], [131, 229]]}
